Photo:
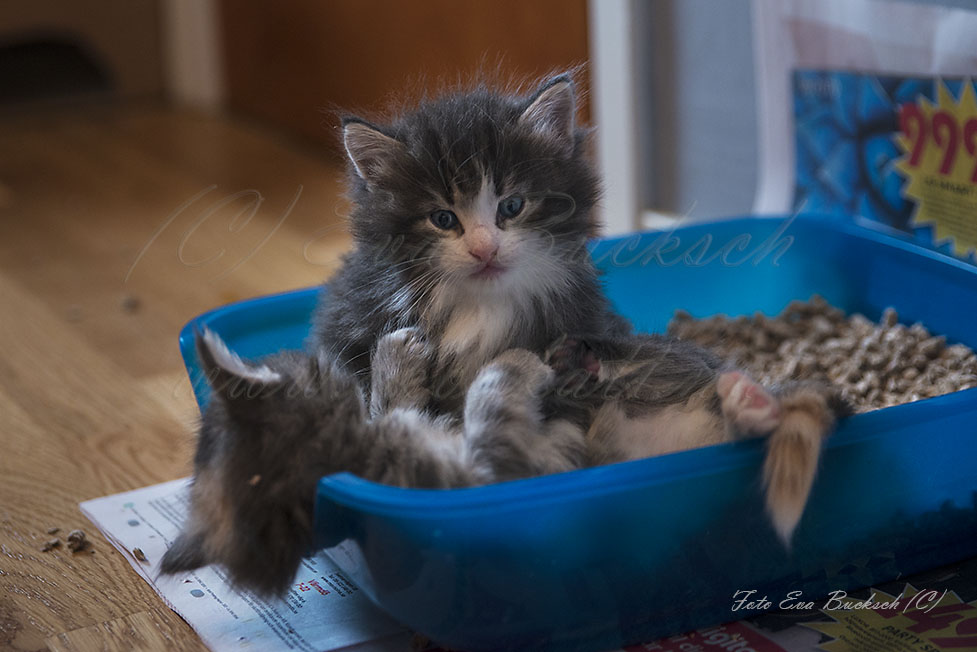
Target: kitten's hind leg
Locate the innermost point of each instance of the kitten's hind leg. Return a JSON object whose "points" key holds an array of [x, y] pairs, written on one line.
{"points": [[748, 409], [504, 424], [797, 419], [400, 372]]}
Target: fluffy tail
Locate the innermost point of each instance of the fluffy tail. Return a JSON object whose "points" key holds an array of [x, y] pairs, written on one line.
{"points": [[808, 414]]}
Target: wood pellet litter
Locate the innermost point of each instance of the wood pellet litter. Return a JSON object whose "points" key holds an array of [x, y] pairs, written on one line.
{"points": [[875, 365]]}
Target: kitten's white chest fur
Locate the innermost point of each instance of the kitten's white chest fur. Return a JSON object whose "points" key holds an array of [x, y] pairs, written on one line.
{"points": [[482, 319], [478, 331]]}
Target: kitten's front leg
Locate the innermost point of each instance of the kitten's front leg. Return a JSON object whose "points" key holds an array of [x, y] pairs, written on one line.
{"points": [[401, 367], [505, 425]]}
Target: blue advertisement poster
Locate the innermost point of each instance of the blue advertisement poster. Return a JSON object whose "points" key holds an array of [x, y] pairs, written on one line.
{"points": [[901, 151]]}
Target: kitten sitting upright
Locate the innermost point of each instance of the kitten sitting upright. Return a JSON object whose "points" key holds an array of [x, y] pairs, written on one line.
{"points": [[470, 219]]}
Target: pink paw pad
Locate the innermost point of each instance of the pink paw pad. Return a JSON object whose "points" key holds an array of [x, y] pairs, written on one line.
{"points": [[573, 354], [749, 407]]}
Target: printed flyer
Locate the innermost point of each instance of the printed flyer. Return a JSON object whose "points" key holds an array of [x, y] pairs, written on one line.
{"points": [[929, 612], [899, 151]]}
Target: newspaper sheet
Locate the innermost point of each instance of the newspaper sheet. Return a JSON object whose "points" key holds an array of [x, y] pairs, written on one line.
{"points": [[323, 610]]}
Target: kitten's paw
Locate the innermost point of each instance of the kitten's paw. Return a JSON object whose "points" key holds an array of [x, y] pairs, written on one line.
{"points": [[258, 528], [407, 346], [524, 369], [569, 354], [748, 408], [400, 369]]}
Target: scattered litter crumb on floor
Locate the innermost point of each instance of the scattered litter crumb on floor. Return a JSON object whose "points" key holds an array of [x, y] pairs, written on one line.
{"points": [[77, 541], [50, 544], [131, 304]]}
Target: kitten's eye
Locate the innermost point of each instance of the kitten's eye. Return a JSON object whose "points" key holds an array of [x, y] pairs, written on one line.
{"points": [[444, 219], [511, 206]]}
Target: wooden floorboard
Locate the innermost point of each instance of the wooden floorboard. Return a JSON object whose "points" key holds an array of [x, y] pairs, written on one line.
{"points": [[99, 269]]}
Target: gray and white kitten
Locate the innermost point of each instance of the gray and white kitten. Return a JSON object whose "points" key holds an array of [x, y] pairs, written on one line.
{"points": [[470, 219]]}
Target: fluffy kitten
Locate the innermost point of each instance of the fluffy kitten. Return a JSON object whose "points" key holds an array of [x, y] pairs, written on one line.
{"points": [[470, 220], [273, 428]]}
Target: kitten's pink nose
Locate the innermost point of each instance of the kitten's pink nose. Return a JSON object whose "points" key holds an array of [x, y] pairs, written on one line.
{"points": [[482, 245], [484, 253]]}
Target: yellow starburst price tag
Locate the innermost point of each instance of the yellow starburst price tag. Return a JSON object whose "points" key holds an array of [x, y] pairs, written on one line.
{"points": [[940, 164]]}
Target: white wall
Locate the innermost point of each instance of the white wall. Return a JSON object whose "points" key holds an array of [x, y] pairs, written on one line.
{"points": [[699, 144]]}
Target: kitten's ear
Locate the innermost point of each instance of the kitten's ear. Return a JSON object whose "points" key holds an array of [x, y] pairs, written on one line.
{"points": [[369, 149], [551, 112], [228, 375]]}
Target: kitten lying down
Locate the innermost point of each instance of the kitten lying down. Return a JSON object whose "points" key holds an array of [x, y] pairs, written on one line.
{"points": [[274, 427]]}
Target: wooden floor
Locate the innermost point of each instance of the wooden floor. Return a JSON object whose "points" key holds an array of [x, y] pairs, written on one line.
{"points": [[117, 225]]}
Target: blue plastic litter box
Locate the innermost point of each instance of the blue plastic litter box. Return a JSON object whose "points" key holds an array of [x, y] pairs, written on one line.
{"points": [[631, 552]]}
